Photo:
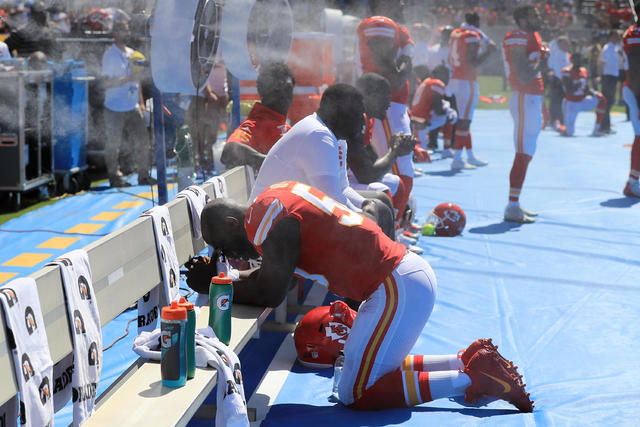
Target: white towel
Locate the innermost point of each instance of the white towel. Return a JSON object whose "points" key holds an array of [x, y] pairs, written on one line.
{"points": [[231, 403], [219, 187], [149, 305], [86, 331], [196, 199], [31, 357]]}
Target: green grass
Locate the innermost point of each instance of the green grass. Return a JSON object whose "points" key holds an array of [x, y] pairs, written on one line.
{"points": [[492, 85], [31, 205]]}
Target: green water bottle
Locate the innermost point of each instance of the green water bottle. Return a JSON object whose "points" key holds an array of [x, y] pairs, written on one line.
{"points": [[220, 297], [190, 336]]}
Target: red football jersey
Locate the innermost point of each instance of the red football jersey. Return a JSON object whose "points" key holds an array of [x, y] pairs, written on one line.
{"points": [[458, 46], [423, 99], [579, 77], [339, 248], [368, 130], [380, 26], [631, 43], [533, 45], [261, 130]]}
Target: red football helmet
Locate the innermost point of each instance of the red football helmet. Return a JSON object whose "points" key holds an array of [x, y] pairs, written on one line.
{"points": [[100, 20], [321, 334], [448, 219]]}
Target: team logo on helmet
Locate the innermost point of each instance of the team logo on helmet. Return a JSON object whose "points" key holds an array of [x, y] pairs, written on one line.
{"points": [[336, 331], [83, 288], [78, 322], [45, 391], [93, 355], [27, 367], [448, 219], [10, 295], [30, 320]]}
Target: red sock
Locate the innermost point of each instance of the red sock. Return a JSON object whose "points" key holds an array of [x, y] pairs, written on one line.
{"points": [[463, 139], [635, 159], [401, 198], [447, 133], [398, 389], [517, 175], [601, 108]]}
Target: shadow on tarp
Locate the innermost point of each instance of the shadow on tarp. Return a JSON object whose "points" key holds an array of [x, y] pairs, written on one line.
{"points": [[620, 202], [291, 414], [497, 228]]}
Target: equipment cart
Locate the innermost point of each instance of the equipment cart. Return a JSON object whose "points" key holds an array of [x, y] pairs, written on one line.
{"points": [[26, 142]]}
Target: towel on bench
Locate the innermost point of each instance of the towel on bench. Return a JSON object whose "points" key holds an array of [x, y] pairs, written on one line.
{"points": [[219, 187], [231, 407], [196, 199], [32, 360], [86, 331], [149, 304]]}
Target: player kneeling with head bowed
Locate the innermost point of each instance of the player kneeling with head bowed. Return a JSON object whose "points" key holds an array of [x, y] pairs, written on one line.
{"points": [[299, 230]]}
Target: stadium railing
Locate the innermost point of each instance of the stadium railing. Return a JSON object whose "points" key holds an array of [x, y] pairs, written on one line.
{"points": [[125, 266]]}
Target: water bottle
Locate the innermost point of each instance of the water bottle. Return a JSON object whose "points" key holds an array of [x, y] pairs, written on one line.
{"points": [[190, 336], [337, 373], [220, 297], [173, 361]]}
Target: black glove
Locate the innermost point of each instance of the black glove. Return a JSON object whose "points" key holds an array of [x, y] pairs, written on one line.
{"points": [[200, 270]]}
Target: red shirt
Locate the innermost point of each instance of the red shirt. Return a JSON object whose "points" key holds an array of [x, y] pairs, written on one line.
{"points": [[423, 99], [368, 130], [533, 45], [339, 248], [458, 48], [631, 43], [580, 77], [380, 26], [261, 130]]}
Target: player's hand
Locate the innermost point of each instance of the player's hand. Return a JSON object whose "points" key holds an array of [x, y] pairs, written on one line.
{"points": [[420, 155], [380, 213], [200, 270], [402, 144]]}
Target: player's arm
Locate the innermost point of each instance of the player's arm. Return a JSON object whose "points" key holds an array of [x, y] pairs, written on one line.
{"points": [[368, 170], [384, 56], [236, 154], [437, 104], [474, 58], [524, 71], [267, 285], [569, 85]]}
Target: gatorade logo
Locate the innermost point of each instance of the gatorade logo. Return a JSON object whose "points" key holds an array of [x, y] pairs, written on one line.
{"points": [[27, 367], [30, 320], [10, 295], [93, 355], [83, 288], [223, 302], [45, 392], [165, 339], [78, 322]]}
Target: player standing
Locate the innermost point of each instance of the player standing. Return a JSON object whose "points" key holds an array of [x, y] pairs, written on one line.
{"points": [[468, 49], [522, 55], [386, 48], [631, 95]]}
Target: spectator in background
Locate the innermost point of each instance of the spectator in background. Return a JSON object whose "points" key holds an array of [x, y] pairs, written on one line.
{"points": [[4, 51], [439, 52], [124, 109], [267, 120], [593, 60], [609, 70], [34, 35], [206, 112], [558, 59]]}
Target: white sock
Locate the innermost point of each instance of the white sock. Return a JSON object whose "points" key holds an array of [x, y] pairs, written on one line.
{"points": [[512, 204], [448, 384], [457, 154], [470, 153], [441, 362]]}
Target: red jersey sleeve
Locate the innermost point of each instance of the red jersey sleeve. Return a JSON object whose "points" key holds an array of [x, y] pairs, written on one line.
{"points": [[631, 45], [423, 99]]}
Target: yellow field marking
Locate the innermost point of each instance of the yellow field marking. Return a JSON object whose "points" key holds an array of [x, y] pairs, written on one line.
{"points": [[85, 228], [107, 216], [6, 276], [129, 205], [147, 194], [58, 242], [26, 260]]}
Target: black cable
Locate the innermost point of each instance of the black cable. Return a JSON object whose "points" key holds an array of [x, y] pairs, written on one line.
{"points": [[126, 332], [3, 230]]}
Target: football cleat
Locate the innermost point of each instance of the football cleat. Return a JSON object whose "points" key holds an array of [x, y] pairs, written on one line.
{"points": [[459, 164], [415, 249], [631, 190], [491, 376], [516, 214], [466, 355], [528, 212], [446, 154], [474, 161]]}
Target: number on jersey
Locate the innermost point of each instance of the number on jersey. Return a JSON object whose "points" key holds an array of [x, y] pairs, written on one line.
{"points": [[327, 205]]}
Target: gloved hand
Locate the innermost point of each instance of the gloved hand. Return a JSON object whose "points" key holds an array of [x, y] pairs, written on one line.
{"points": [[200, 270], [420, 155], [452, 116]]}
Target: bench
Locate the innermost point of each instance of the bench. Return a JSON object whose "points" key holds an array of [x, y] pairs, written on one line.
{"points": [[125, 266]]}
